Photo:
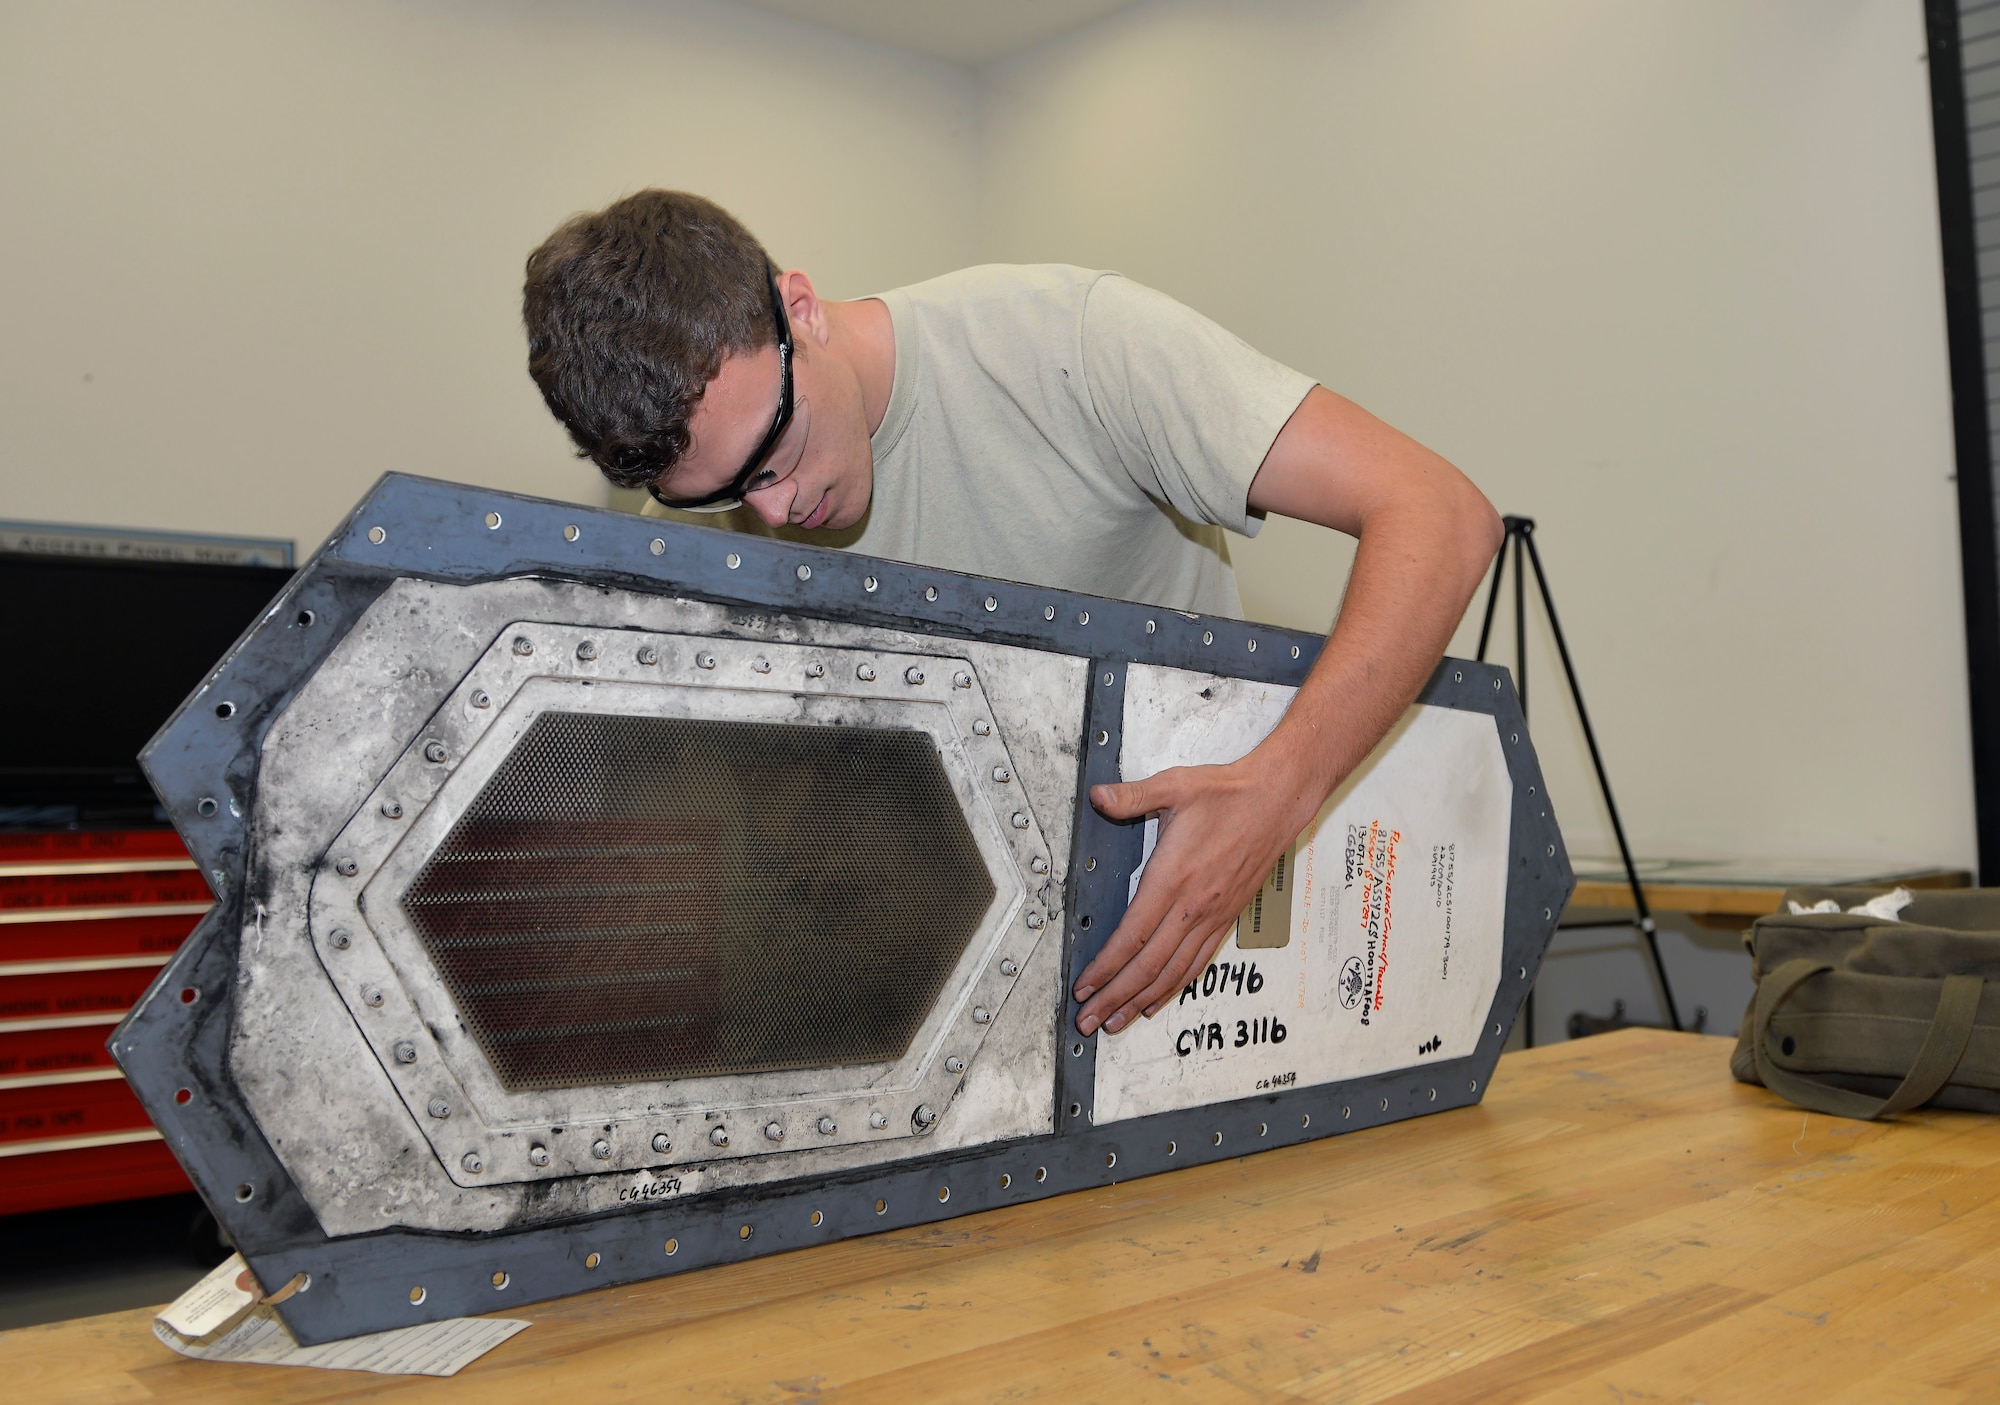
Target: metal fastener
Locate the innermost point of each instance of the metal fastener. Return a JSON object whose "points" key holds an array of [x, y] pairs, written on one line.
{"points": [[760, 665], [1208, 636], [1038, 865], [924, 1118], [657, 546], [954, 1064], [1020, 819], [648, 655], [392, 809], [1035, 921], [981, 727], [340, 939], [347, 868], [571, 532], [438, 1107], [406, 1052], [538, 1155], [718, 1136], [479, 698], [377, 535], [991, 603], [1151, 627], [827, 1126], [662, 1143], [961, 679], [913, 675], [815, 670], [732, 561], [1002, 774], [371, 996], [981, 1015], [434, 751], [866, 673], [1009, 966], [805, 573], [523, 645], [206, 806], [930, 592], [472, 1162], [870, 584], [601, 1149], [775, 1131], [1083, 617], [587, 650], [704, 660], [878, 1120]]}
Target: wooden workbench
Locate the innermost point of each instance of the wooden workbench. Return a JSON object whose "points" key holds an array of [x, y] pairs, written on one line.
{"points": [[1730, 893], [1618, 1221]]}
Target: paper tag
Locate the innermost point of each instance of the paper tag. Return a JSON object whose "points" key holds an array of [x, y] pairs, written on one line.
{"points": [[234, 1327]]}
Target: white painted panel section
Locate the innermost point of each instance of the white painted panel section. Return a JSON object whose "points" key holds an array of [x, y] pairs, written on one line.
{"points": [[1398, 908]]}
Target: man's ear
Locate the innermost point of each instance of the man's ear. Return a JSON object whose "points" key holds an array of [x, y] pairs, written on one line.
{"points": [[803, 306]]}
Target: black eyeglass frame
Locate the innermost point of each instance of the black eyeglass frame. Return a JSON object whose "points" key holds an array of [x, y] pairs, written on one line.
{"points": [[731, 494]]}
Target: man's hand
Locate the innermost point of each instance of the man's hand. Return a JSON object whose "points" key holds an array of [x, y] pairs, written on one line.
{"points": [[1426, 538]]}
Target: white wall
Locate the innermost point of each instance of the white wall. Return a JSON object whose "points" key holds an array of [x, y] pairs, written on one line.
{"points": [[1662, 274], [257, 254]]}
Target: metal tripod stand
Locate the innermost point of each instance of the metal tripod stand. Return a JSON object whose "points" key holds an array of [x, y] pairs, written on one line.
{"points": [[1521, 538]]}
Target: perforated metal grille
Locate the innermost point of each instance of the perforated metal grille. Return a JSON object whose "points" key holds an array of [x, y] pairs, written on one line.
{"points": [[639, 898]]}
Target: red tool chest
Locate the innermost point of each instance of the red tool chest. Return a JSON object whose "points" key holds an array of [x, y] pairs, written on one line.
{"points": [[87, 918]]}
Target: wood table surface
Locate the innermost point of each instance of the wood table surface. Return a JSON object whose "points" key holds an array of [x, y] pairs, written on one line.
{"points": [[1733, 894], [1619, 1221]]}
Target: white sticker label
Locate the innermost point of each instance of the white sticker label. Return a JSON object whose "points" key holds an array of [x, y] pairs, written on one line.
{"points": [[1397, 901]]}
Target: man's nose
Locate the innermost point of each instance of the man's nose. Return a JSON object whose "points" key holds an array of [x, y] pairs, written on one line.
{"points": [[774, 503]]}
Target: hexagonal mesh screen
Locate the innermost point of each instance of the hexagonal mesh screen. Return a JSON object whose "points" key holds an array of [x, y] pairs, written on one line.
{"points": [[640, 898]]}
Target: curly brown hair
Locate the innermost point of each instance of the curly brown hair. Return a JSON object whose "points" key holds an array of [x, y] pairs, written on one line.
{"points": [[629, 313]]}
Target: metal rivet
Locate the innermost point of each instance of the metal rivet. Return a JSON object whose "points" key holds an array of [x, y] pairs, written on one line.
{"points": [[371, 996], [1546, 914], [587, 650], [760, 665], [1083, 617], [954, 1064], [306, 618], [392, 809], [1522, 973], [981, 727], [1218, 1139], [662, 1143], [1305, 1120], [944, 1194], [827, 1126], [1496, 1029], [480, 699], [815, 670], [1516, 739], [930, 592], [869, 584], [417, 1296], [347, 868], [500, 1278], [377, 535], [981, 1015], [805, 573], [1473, 1086], [991, 603], [1005, 1180], [538, 1155], [1295, 651], [1253, 646], [1002, 774], [1457, 677], [1347, 1112], [657, 547], [1038, 865], [1076, 1049], [1109, 679], [406, 1052], [592, 1260], [1434, 1095], [225, 710], [1009, 967], [1552, 851], [492, 520], [648, 655], [1208, 636], [206, 806], [1048, 612], [961, 679], [878, 1120], [434, 751], [913, 675], [1103, 737], [1110, 1159], [718, 1136], [866, 673], [1020, 820], [571, 532], [775, 1131], [1151, 627], [523, 645], [1385, 1104], [1090, 864], [673, 1246], [1531, 790], [815, 1218], [704, 660], [1035, 921], [438, 1107], [881, 1207], [601, 1149], [472, 1162], [341, 941], [732, 561], [246, 1192], [924, 1117], [1496, 685], [1173, 1147]]}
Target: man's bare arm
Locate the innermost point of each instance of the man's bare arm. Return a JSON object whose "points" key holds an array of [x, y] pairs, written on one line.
{"points": [[1426, 537]]}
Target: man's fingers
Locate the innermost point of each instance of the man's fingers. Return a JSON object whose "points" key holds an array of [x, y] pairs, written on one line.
{"points": [[1141, 920], [1190, 955], [1128, 800], [1162, 992]]}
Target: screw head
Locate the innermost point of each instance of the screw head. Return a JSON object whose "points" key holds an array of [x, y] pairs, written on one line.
{"points": [[406, 1052], [1002, 774], [805, 573], [913, 675], [982, 728], [601, 1149], [991, 604], [439, 1108], [339, 939], [930, 592], [775, 1131], [981, 1015], [1036, 921], [538, 1155], [480, 699], [648, 655], [827, 1126], [878, 1120], [718, 1136], [961, 679], [472, 1162], [815, 670], [866, 673], [434, 752], [1038, 865], [347, 868], [523, 645], [954, 1064], [1020, 819], [371, 996], [924, 1118], [587, 650], [760, 665], [662, 1143], [1009, 966], [657, 546], [392, 809], [704, 660]]}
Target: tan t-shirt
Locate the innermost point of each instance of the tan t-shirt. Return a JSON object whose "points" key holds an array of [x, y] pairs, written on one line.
{"points": [[1070, 428]]}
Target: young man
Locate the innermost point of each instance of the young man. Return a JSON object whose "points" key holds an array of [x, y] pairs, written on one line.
{"points": [[1045, 424]]}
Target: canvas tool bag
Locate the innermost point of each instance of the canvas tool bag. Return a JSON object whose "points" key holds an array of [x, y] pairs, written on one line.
{"points": [[1860, 1017]]}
